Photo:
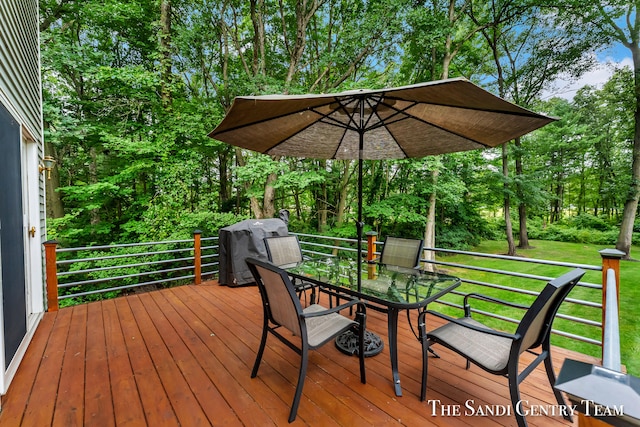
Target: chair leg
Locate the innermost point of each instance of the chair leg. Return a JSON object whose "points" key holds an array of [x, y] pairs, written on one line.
{"points": [[425, 369], [313, 296], [263, 342], [301, 376], [552, 381], [422, 335], [362, 323], [514, 392]]}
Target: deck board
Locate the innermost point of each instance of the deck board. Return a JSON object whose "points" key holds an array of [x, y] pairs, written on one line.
{"points": [[69, 409], [183, 356], [127, 408]]}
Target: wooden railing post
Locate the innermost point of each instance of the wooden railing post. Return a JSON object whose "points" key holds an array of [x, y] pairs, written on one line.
{"points": [[197, 260], [371, 253], [51, 272], [610, 260]]}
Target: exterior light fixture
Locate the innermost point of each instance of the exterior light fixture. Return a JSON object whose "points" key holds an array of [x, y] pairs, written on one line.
{"points": [[48, 165]]}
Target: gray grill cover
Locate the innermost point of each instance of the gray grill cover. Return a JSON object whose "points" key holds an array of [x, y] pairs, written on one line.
{"points": [[241, 240]]}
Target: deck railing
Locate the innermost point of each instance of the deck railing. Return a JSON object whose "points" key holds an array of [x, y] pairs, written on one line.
{"points": [[611, 342], [586, 304], [80, 274]]}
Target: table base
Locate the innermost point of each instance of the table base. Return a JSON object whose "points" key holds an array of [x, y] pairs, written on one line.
{"points": [[348, 343]]}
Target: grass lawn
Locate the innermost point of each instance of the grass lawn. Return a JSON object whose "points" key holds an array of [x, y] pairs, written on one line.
{"points": [[563, 252]]}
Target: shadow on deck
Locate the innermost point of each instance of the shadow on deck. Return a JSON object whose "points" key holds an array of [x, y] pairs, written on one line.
{"points": [[183, 356]]}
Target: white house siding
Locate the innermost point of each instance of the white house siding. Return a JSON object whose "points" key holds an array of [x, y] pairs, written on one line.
{"points": [[20, 94], [20, 62]]}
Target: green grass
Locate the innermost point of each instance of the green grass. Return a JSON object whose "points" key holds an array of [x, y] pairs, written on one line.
{"points": [[563, 252]]}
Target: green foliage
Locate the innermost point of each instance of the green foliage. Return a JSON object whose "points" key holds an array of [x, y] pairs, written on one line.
{"points": [[583, 228], [588, 221], [398, 214], [134, 167], [572, 233]]}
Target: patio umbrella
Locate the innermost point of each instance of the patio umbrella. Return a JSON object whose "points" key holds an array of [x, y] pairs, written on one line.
{"points": [[411, 121]]}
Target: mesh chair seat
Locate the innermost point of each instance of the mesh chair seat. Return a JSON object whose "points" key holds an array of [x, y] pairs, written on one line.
{"points": [[323, 328], [489, 351]]}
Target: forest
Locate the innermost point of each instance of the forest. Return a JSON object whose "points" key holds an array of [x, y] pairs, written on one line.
{"points": [[131, 88]]}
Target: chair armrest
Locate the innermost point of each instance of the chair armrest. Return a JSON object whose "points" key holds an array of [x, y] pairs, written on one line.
{"points": [[459, 322], [467, 306], [361, 308]]}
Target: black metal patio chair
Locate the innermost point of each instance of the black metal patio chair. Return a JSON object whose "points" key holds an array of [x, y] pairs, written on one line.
{"points": [[499, 352], [315, 325], [400, 253], [285, 251]]}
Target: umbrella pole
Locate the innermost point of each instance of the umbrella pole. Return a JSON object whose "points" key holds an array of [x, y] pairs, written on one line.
{"points": [[359, 224], [348, 341]]}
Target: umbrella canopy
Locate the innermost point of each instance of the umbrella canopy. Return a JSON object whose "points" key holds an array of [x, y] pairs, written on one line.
{"points": [[425, 119], [412, 121]]}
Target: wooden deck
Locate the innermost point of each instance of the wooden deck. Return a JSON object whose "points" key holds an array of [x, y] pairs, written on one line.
{"points": [[183, 356]]}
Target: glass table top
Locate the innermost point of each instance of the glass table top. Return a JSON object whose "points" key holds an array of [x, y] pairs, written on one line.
{"points": [[386, 284]]}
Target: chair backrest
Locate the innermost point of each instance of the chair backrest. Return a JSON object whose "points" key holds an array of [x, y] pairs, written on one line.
{"points": [[536, 324], [281, 304], [283, 251], [401, 252]]}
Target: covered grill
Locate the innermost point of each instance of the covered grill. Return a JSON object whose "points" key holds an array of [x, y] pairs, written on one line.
{"points": [[241, 240]]}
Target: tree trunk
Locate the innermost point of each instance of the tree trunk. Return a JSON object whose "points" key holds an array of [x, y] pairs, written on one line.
{"points": [[342, 202], [631, 205], [93, 179], [269, 201], [257, 11], [304, 13], [507, 201], [165, 52], [267, 209], [55, 208], [511, 251], [430, 226], [430, 229], [523, 236], [224, 170], [557, 203], [322, 203]]}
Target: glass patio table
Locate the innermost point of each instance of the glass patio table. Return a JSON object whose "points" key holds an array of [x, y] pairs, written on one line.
{"points": [[386, 289]]}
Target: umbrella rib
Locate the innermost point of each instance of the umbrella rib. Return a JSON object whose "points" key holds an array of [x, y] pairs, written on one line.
{"points": [[388, 122], [392, 118], [335, 153], [523, 113], [271, 118], [334, 122], [383, 124], [327, 119], [343, 107], [324, 117]]}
